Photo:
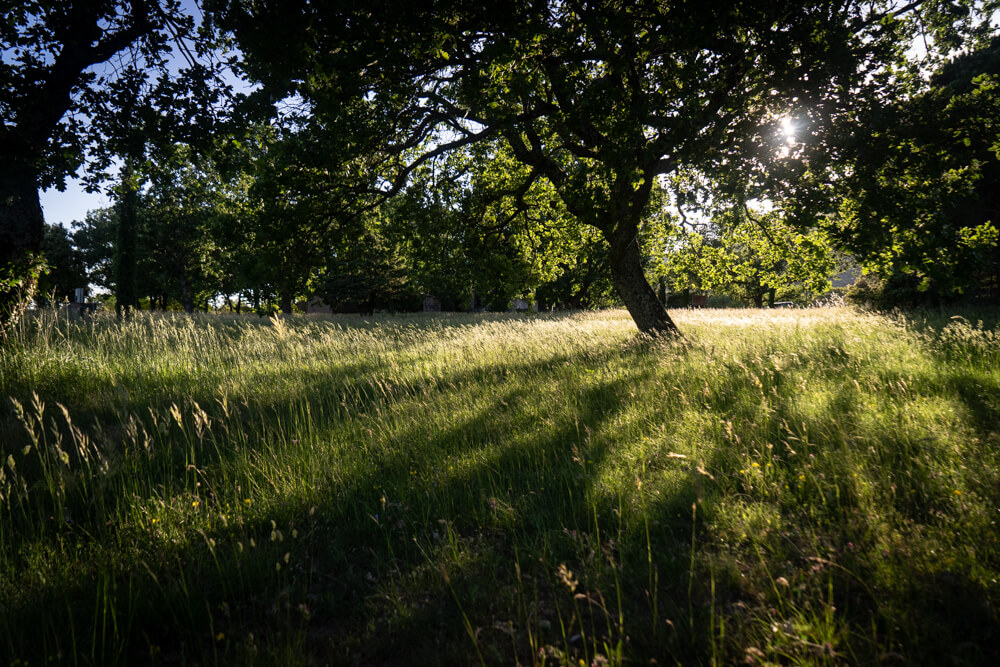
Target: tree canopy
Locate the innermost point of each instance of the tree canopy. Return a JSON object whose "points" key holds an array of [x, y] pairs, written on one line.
{"points": [[912, 187], [598, 98], [453, 148]]}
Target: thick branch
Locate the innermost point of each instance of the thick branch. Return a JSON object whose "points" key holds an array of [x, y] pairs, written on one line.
{"points": [[39, 115]]}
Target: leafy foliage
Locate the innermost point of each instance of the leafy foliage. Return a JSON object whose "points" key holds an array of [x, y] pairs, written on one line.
{"points": [[186, 220], [909, 182], [928, 180], [66, 269], [753, 257], [92, 79], [597, 99]]}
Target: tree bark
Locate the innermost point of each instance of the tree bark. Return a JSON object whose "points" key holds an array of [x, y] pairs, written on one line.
{"points": [[21, 229], [187, 294], [633, 288], [21, 221], [285, 302]]}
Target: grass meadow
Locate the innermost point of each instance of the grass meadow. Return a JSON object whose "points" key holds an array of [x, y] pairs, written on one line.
{"points": [[786, 487]]}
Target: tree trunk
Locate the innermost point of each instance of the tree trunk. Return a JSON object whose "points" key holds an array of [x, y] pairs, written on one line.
{"points": [[126, 294], [21, 223], [633, 288], [187, 298], [21, 229]]}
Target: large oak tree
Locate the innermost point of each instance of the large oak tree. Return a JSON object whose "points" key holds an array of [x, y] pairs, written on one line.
{"points": [[599, 98]]}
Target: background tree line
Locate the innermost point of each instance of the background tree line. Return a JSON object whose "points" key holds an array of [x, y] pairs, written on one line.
{"points": [[257, 227]]}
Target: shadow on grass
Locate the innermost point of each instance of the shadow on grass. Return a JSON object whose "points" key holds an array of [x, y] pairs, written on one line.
{"points": [[407, 561], [861, 540], [389, 565]]}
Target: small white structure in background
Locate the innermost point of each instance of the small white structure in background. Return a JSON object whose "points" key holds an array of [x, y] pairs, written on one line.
{"points": [[520, 305], [80, 308]]}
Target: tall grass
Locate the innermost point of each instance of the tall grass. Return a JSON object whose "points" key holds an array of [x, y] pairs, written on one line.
{"points": [[812, 486]]}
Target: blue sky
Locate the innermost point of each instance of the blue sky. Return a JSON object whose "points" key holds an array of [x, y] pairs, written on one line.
{"points": [[74, 202], [65, 207]]}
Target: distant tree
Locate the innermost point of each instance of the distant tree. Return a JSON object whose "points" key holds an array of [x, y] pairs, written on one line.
{"points": [[303, 200], [186, 220], [182, 215], [584, 282], [473, 225], [367, 273], [66, 269], [94, 236], [753, 257]]}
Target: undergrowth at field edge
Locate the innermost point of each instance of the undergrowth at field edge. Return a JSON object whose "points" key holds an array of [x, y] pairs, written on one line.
{"points": [[812, 487]]}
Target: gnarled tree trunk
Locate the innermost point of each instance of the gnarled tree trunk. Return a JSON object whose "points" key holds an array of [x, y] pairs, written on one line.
{"points": [[633, 288]]}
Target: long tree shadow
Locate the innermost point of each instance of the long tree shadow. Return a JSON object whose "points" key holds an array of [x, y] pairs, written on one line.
{"points": [[831, 531], [223, 595], [448, 543]]}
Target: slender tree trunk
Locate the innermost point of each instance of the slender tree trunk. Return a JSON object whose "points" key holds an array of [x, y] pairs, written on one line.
{"points": [[187, 298], [126, 295], [633, 288]]}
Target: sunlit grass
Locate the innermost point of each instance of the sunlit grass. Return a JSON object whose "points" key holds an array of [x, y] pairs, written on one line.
{"points": [[790, 486]]}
